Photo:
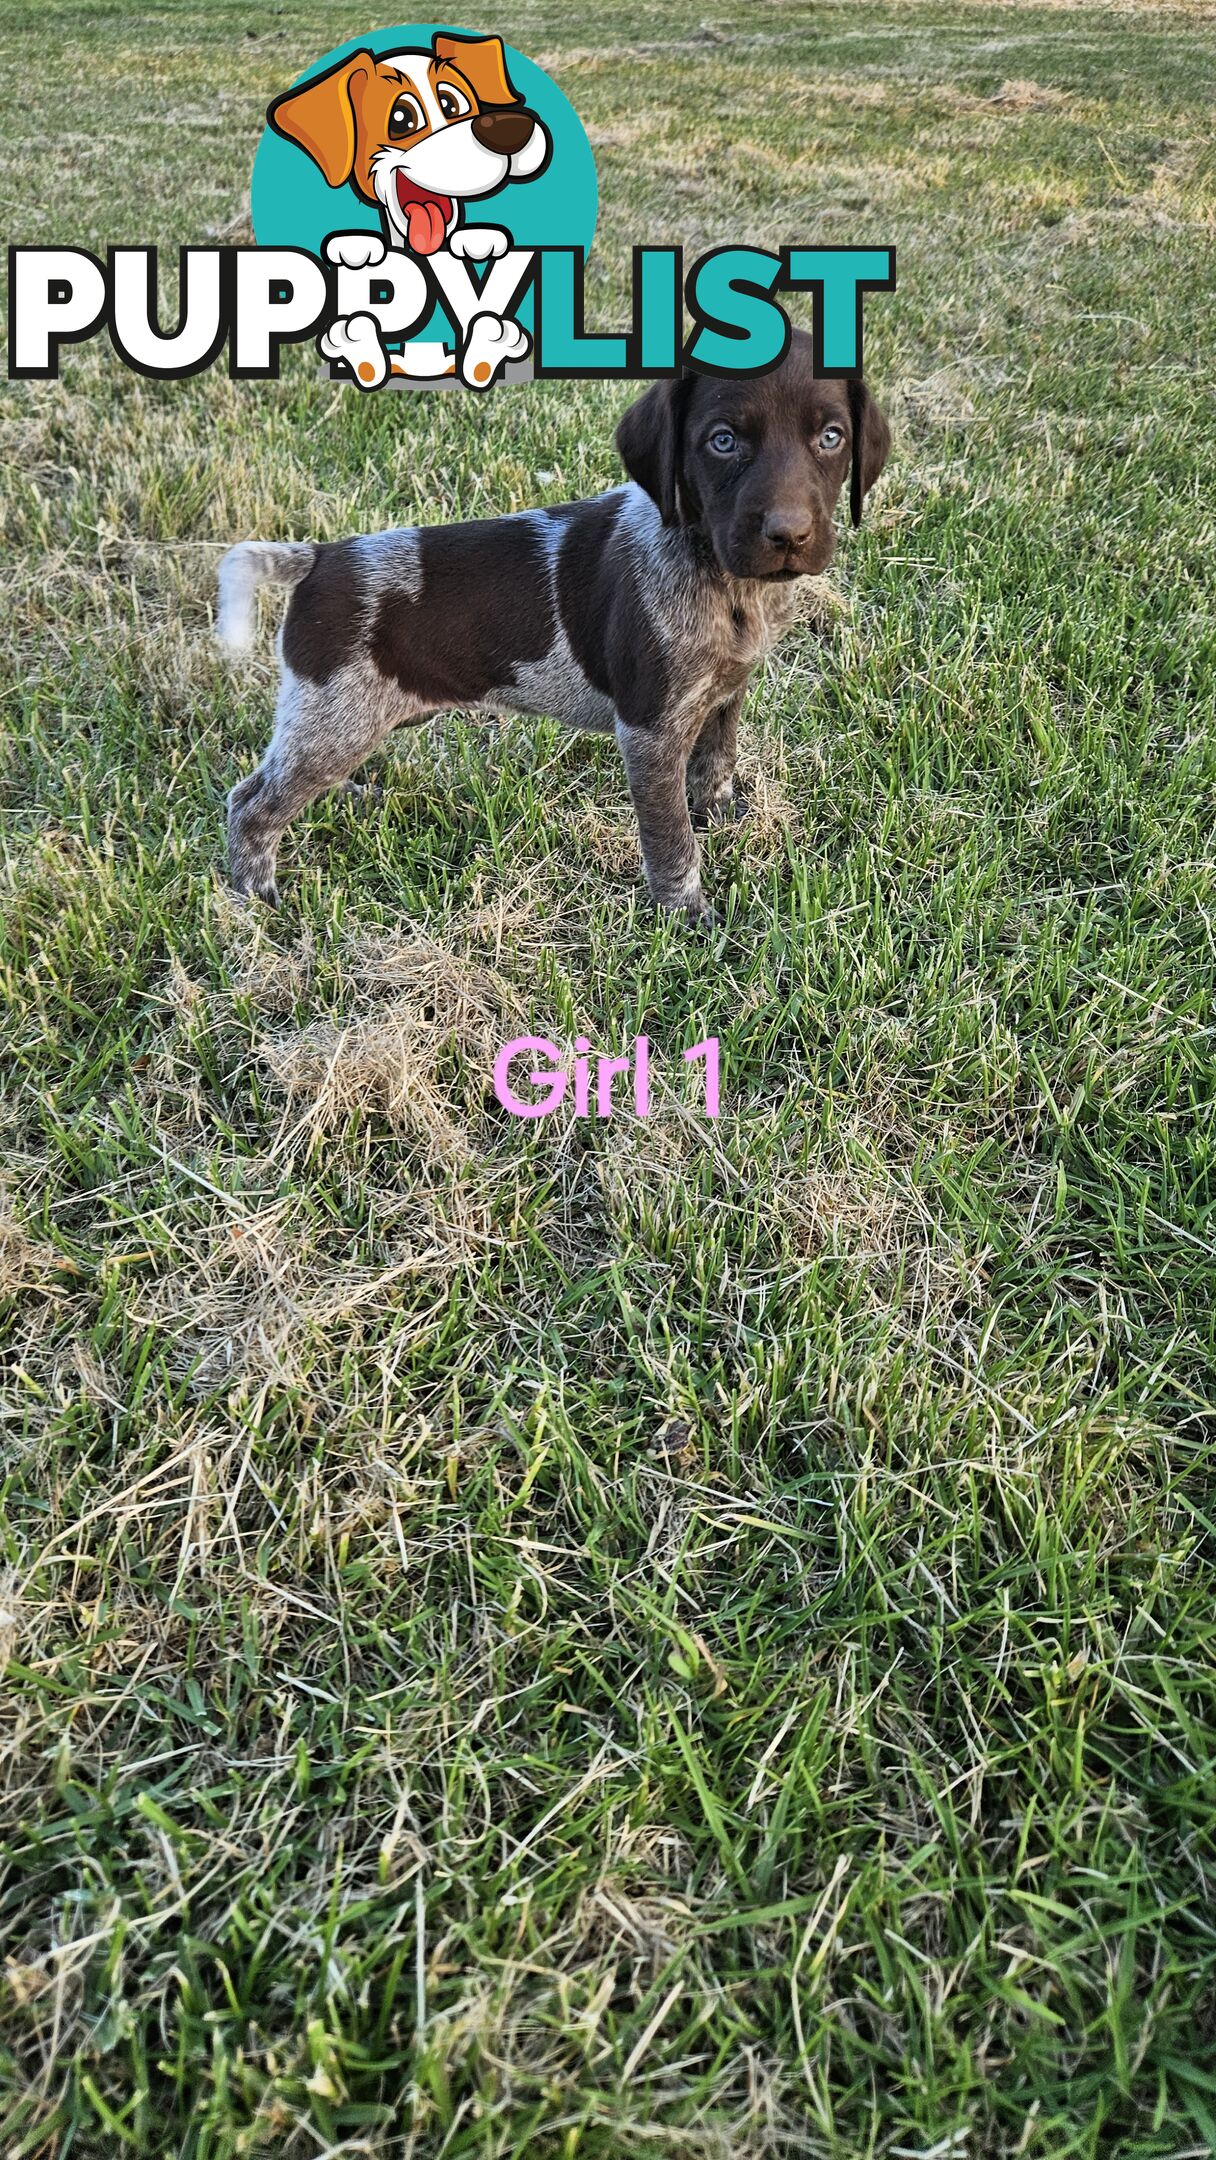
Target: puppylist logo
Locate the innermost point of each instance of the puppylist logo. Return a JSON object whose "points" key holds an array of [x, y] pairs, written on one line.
{"points": [[423, 202]]}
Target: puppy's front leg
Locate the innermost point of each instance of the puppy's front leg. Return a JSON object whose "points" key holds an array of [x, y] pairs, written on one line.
{"points": [[656, 765], [711, 766]]}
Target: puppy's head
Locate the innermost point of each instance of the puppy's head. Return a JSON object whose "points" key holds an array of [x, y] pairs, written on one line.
{"points": [[758, 464], [417, 132]]}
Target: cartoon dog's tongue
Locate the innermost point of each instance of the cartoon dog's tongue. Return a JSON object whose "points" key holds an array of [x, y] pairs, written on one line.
{"points": [[426, 215]]}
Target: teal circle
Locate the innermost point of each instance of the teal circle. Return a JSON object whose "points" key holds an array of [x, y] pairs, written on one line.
{"points": [[294, 206]]}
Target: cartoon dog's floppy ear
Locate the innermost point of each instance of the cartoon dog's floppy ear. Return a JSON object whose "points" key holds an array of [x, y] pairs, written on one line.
{"points": [[320, 116], [650, 439], [483, 63], [871, 442]]}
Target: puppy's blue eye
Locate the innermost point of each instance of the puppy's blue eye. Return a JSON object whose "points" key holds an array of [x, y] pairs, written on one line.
{"points": [[831, 438], [724, 440]]}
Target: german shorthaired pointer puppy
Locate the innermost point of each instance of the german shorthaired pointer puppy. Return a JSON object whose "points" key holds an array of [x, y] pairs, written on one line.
{"points": [[639, 613]]}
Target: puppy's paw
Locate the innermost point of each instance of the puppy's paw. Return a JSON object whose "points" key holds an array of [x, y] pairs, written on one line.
{"points": [[725, 808], [356, 341], [701, 918], [491, 343], [479, 243], [355, 250], [692, 909], [255, 884]]}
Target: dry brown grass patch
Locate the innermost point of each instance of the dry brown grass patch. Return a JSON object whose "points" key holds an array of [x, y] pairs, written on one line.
{"points": [[1019, 95], [10, 1615], [25, 1262], [393, 1058], [254, 1285]]}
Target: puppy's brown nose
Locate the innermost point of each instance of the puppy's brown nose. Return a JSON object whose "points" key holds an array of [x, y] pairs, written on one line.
{"points": [[786, 529], [505, 132]]}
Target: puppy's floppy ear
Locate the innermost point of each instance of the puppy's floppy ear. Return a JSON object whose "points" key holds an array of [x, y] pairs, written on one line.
{"points": [[320, 116], [483, 63], [650, 439], [871, 442]]}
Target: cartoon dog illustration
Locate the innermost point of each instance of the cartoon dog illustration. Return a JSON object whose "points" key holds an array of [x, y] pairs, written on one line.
{"points": [[419, 134]]}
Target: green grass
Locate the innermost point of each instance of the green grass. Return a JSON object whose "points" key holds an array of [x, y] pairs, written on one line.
{"points": [[591, 1641]]}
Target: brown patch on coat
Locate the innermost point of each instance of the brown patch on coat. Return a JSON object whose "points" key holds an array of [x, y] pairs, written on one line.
{"points": [[604, 615], [482, 608], [324, 622]]}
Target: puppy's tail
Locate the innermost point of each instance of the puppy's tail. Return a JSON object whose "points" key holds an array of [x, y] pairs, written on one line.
{"points": [[243, 569]]}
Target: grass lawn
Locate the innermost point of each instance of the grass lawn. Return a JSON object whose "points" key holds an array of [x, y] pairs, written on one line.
{"points": [[570, 1641]]}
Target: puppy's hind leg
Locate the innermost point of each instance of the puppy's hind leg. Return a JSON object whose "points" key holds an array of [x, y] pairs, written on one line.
{"points": [[319, 739], [251, 853]]}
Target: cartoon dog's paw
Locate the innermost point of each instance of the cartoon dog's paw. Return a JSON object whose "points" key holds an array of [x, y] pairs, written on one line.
{"points": [[355, 250], [356, 340], [479, 243], [491, 342]]}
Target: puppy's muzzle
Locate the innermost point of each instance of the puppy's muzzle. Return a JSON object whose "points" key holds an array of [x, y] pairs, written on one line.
{"points": [[503, 132], [781, 544], [787, 531]]}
